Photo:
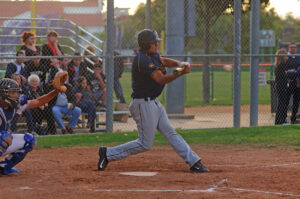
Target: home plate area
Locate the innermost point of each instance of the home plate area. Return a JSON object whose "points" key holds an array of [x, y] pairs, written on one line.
{"points": [[236, 172], [139, 173]]}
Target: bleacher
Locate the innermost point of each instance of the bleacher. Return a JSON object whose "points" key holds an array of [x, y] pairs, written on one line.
{"points": [[69, 40]]}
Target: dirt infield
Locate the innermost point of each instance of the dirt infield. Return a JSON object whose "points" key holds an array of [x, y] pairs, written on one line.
{"points": [[236, 172]]}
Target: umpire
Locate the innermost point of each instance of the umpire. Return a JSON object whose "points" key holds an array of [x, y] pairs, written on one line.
{"points": [[148, 80]]}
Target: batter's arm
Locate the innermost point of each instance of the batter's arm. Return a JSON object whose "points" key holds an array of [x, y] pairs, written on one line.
{"points": [[42, 100], [169, 63], [162, 79]]}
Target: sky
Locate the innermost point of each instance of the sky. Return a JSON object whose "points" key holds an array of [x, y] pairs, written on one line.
{"points": [[132, 4], [282, 6]]}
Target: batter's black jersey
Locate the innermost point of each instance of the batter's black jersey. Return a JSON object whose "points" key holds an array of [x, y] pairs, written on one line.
{"points": [[142, 67]]}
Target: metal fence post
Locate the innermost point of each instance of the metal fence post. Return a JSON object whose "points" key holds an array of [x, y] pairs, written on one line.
{"points": [[212, 83], [109, 67], [148, 14], [272, 65], [237, 64], [175, 45], [254, 61]]}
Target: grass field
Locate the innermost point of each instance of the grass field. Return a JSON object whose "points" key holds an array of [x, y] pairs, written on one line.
{"points": [[256, 136], [223, 89]]}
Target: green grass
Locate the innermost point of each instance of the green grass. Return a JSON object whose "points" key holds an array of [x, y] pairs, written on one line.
{"points": [[256, 136], [223, 89]]}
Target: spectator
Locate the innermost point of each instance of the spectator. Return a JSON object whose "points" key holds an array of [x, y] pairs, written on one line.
{"points": [[17, 67], [64, 103], [18, 79], [98, 86], [281, 87], [292, 63], [28, 40], [78, 68], [64, 62], [118, 71], [90, 50], [58, 65], [52, 48], [26, 113], [84, 100], [43, 112], [35, 67]]}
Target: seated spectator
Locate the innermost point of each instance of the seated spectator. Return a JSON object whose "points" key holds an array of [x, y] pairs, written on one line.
{"points": [[90, 50], [55, 68], [64, 103], [58, 65], [34, 91], [26, 113], [77, 68], [35, 67], [17, 67], [23, 87], [98, 86], [52, 48], [28, 40], [64, 62], [84, 99]]}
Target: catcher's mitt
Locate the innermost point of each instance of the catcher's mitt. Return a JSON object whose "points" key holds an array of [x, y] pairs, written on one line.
{"points": [[59, 81]]}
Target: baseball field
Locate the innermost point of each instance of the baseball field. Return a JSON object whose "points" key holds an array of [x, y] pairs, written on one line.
{"points": [[221, 88], [259, 162]]}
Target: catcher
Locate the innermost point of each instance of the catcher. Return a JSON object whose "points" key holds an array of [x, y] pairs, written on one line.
{"points": [[16, 146]]}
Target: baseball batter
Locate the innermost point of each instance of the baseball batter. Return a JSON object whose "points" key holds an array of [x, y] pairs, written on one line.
{"points": [[148, 80], [16, 146]]}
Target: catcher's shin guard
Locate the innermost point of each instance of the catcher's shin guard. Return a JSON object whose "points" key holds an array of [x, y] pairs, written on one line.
{"points": [[5, 141], [6, 166]]}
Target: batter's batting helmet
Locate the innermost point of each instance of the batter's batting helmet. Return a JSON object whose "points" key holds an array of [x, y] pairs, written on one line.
{"points": [[146, 37], [9, 85]]}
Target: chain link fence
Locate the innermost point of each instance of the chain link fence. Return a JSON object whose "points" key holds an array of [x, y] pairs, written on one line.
{"points": [[200, 32]]}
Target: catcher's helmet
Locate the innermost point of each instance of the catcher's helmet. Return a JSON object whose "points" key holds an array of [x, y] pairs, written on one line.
{"points": [[7, 85], [147, 36]]}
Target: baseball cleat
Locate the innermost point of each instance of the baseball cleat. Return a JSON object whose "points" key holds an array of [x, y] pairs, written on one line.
{"points": [[8, 171], [198, 167], [103, 162], [69, 129]]}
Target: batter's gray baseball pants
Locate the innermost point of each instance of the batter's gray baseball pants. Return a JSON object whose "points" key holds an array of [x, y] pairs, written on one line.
{"points": [[150, 116]]}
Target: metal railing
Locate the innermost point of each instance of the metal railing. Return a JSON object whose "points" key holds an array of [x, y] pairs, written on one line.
{"points": [[74, 36]]}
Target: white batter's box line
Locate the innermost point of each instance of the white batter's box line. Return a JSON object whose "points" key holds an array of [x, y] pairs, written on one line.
{"points": [[209, 190], [260, 191], [255, 167]]}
